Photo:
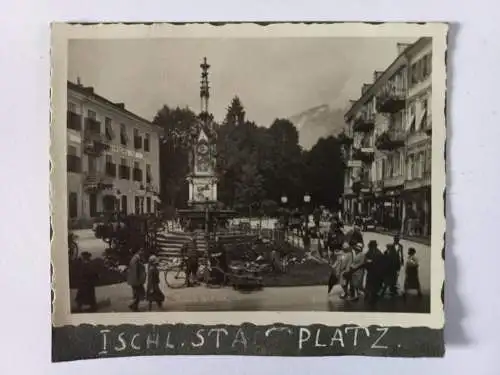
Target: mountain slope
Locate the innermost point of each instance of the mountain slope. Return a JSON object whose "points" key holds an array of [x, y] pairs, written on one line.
{"points": [[317, 122]]}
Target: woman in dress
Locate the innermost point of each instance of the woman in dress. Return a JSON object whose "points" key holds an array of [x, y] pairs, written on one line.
{"points": [[412, 280], [344, 266], [154, 293], [357, 272]]}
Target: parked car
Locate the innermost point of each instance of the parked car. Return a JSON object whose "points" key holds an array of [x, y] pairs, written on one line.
{"points": [[368, 223]]}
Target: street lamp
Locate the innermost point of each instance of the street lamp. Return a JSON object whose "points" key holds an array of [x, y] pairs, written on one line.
{"points": [[307, 200], [284, 199]]}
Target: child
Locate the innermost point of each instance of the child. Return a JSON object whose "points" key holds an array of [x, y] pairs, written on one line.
{"points": [[411, 273], [154, 293]]}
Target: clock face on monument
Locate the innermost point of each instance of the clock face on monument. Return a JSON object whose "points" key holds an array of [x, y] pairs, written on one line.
{"points": [[203, 149]]}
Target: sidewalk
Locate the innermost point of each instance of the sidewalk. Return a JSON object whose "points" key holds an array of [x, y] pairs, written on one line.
{"points": [[418, 239]]}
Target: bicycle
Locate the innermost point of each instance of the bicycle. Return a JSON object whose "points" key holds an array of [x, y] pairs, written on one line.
{"points": [[175, 274]]}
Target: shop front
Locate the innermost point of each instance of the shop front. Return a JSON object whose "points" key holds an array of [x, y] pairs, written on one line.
{"points": [[417, 204], [390, 207]]}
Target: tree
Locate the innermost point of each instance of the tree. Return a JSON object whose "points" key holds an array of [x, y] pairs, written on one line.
{"points": [[177, 124], [235, 113], [324, 177]]}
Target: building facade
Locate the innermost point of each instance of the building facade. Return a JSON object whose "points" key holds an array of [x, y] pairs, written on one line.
{"points": [[112, 157], [388, 148]]}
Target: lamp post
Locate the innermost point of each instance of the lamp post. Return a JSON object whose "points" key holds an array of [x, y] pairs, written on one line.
{"points": [[284, 200], [307, 200]]}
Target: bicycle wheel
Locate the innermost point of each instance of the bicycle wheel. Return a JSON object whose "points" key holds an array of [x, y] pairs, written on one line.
{"points": [[175, 277]]}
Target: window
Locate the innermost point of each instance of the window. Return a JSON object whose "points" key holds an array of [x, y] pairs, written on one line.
{"points": [[108, 125], [146, 142], [124, 171], [91, 114], [137, 140], [72, 107], [93, 204], [123, 135], [124, 204], [148, 205], [110, 166], [137, 205], [72, 205], [148, 173], [137, 172], [73, 161]]}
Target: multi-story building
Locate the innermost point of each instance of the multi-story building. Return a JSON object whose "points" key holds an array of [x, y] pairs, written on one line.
{"points": [[387, 167], [418, 159], [112, 157]]}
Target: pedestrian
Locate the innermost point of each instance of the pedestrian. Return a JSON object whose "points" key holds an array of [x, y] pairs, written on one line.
{"points": [[85, 296], [345, 262], [412, 280], [399, 249], [190, 254], [357, 272], [154, 293], [136, 279], [354, 236], [392, 266], [306, 238], [374, 264]]}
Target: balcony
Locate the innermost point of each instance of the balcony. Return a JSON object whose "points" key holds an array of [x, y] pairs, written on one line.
{"points": [[95, 182], [390, 140], [391, 100], [362, 186], [366, 155], [393, 181], [354, 163], [378, 185], [419, 182], [344, 139], [73, 121], [364, 123]]}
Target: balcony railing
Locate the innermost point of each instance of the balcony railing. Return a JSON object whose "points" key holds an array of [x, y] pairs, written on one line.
{"points": [[124, 172], [378, 185], [393, 181], [92, 126], [362, 186], [391, 100], [416, 183], [74, 164], [137, 174], [94, 141], [111, 169], [94, 181], [73, 121], [354, 163], [390, 140], [364, 123], [363, 154]]}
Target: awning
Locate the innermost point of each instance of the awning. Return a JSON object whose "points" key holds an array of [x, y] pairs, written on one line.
{"points": [[411, 125], [423, 116]]}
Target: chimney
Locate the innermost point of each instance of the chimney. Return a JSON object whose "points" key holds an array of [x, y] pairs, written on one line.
{"points": [[402, 47], [78, 81], [365, 88], [121, 105], [351, 102], [376, 74]]}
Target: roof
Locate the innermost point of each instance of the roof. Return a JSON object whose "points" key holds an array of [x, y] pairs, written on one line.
{"points": [[88, 91], [384, 76]]}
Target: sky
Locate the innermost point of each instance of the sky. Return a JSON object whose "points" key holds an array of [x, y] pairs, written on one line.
{"points": [[274, 77]]}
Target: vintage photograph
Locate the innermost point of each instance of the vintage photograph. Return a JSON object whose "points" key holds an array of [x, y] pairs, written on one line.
{"points": [[249, 169]]}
